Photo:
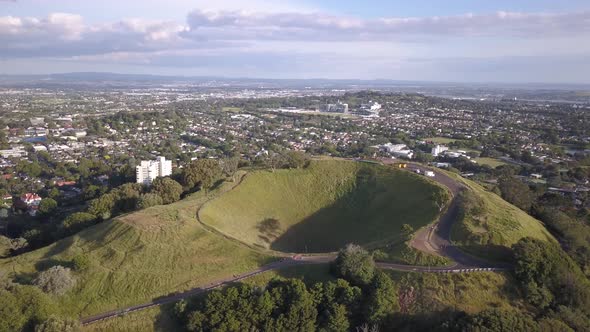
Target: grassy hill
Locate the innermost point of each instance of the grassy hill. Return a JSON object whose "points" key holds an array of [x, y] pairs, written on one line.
{"points": [[140, 256], [322, 207], [487, 225]]}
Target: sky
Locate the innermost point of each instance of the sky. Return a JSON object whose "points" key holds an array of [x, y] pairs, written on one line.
{"points": [[540, 41]]}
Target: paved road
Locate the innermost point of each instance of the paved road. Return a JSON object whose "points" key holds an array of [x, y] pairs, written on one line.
{"points": [[432, 239], [435, 238]]}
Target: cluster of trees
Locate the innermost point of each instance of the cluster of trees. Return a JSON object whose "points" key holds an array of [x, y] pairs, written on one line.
{"points": [[565, 221], [366, 299], [199, 175], [363, 296], [285, 159], [553, 283], [27, 308]]}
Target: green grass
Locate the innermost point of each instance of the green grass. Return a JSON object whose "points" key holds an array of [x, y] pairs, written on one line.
{"points": [[140, 256], [441, 140], [471, 292], [231, 109], [492, 162], [310, 274], [402, 253], [157, 319], [488, 225], [323, 207]]}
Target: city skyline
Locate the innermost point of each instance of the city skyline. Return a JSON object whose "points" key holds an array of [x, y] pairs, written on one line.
{"points": [[460, 41]]}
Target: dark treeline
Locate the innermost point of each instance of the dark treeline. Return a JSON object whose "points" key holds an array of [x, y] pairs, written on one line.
{"points": [[366, 299]]}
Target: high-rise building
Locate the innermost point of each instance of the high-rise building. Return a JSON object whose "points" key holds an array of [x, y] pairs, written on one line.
{"points": [[438, 149], [148, 170]]}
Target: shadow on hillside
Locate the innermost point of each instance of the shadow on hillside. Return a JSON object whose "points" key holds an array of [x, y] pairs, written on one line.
{"points": [[492, 253], [60, 246], [358, 216], [165, 320], [45, 264]]}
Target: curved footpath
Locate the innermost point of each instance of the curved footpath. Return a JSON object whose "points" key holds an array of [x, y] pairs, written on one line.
{"points": [[434, 239]]}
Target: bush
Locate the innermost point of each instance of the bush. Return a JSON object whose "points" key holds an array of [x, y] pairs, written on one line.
{"points": [[355, 264], [168, 189], [56, 324], [47, 206], [56, 280], [148, 200], [80, 262], [78, 221]]}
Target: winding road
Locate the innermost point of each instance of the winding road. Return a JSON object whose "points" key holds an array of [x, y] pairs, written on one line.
{"points": [[433, 239]]}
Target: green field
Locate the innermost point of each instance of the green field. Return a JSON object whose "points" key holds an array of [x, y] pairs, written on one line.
{"points": [[231, 109], [488, 225], [492, 162], [441, 140], [323, 207], [140, 256]]}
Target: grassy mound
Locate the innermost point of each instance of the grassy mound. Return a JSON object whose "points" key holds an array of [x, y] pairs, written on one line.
{"points": [[323, 207], [488, 226], [138, 257]]}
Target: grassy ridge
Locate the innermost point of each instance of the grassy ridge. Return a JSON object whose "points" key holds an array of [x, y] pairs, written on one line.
{"points": [[488, 225], [322, 207], [140, 256]]}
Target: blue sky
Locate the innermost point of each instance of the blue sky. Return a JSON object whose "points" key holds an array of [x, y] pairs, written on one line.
{"points": [[453, 40]]}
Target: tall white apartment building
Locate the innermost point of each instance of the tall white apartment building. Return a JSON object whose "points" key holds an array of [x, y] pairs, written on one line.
{"points": [[148, 170], [438, 149]]}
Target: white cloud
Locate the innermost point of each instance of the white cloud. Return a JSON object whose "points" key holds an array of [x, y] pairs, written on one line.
{"points": [[296, 42]]}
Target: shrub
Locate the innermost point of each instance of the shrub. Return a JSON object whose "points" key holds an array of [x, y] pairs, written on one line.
{"points": [[56, 280], [355, 264]]}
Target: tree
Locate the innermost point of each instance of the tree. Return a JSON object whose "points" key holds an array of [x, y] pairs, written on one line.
{"points": [[382, 301], [296, 159], [148, 200], [201, 173], [78, 221], [56, 280], [229, 166], [275, 160], [47, 206], [19, 244], [21, 306], [80, 262], [516, 192], [337, 319], [168, 189], [496, 320], [103, 207], [355, 264], [56, 324], [407, 230]]}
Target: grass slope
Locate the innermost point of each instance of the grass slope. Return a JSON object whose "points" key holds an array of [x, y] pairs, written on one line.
{"points": [[488, 225], [140, 256], [323, 207]]}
